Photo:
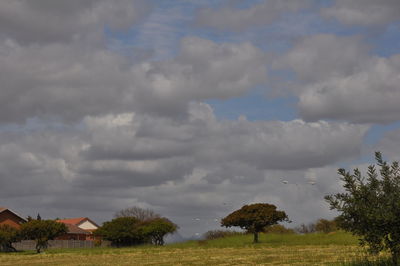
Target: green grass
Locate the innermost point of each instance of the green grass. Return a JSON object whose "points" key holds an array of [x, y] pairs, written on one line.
{"points": [[276, 240], [312, 249]]}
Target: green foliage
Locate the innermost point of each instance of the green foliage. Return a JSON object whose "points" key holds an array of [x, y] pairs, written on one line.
{"points": [[215, 234], [157, 228], [326, 226], [370, 206], [278, 229], [254, 218], [8, 235], [42, 231], [122, 231]]}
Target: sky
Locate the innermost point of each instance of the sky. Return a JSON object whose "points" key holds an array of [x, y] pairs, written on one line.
{"points": [[193, 108]]}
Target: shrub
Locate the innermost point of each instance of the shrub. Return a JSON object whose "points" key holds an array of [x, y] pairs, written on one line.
{"points": [[278, 229], [215, 234], [122, 231]]}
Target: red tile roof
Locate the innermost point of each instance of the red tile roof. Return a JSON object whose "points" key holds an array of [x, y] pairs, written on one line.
{"points": [[74, 221], [73, 229], [77, 221]]}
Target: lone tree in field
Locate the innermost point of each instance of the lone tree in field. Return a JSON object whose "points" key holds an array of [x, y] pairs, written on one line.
{"points": [[157, 228], [255, 218], [370, 206], [42, 231]]}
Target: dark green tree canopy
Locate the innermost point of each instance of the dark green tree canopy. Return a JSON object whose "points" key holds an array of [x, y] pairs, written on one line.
{"points": [[8, 235], [122, 231], [157, 228], [370, 206], [42, 231], [255, 218]]}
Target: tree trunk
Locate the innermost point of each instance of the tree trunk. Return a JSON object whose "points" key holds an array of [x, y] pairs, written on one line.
{"points": [[255, 237], [395, 258]]}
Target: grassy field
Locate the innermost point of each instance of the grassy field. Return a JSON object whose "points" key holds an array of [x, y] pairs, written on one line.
{"points": [[313, 249]]}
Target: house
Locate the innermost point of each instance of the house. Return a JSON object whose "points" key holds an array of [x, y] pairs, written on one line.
{"points": [[10, 218], [75, 233], [83, 223]]}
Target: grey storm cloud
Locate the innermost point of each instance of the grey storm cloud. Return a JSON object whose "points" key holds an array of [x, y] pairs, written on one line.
{"points": [[88, 158], [323, 56], [202, 70], [364, 12], [69, 81], [128, 159], [338, 78], [229, 17], [44, 21]]}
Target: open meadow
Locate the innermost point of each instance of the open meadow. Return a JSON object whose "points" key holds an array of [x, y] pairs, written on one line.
{"points": [[275, 249]]}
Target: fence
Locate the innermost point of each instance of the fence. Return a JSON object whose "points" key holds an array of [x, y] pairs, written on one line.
{"points": [[53, 244]]}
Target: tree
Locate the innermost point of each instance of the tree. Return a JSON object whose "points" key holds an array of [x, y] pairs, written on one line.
{"points": [[8, 235], [325, 226], [122, 231], [42, 231], [255, 218], [278, 229], [138, 213], [157, 228], [370, 206], [306, 228]]}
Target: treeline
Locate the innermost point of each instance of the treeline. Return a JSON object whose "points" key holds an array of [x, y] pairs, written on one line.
{"points": [[319, 226], [131, 226], [35, 229]]}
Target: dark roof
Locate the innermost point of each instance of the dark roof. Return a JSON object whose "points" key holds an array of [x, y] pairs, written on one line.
{"points": [[2, 209]]}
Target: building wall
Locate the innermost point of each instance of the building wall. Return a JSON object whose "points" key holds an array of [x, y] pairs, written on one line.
{"points": [[86, 225], [7, 217]]}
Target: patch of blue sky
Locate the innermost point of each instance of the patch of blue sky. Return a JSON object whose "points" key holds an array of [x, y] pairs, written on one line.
{"points": [[255, 106], [377, 132], [387, 43], [160, 32]]}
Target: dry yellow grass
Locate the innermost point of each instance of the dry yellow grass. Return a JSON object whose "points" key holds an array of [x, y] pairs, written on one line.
{"points": [[290, 255]]}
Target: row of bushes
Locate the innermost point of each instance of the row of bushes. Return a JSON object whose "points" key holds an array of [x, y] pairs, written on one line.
{"points": [[127, 231], [121, 231], [39, 230]]}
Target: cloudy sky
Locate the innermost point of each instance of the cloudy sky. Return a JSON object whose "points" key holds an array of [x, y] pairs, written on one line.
{"points": [[192, 107]]}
